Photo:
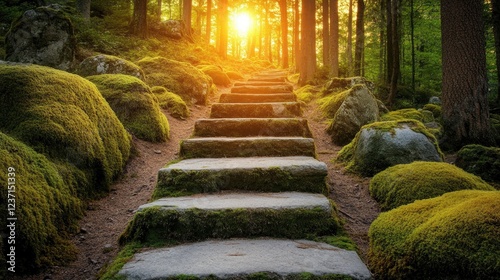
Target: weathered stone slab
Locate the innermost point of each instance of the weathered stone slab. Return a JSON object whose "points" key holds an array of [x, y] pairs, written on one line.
{"points": [[220, 147], [262, 89], [263, 174], [257, 98], [263, 83], [281, 79], [241, 259], [243, 127], [256, 110]]}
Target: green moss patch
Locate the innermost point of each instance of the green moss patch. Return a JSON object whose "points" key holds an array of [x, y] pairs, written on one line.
{"points": [[454, 236], [403, 184], [171, 102], [480, 160], [108, 64], [412, 114], [153, 224], [64, 117], [435, 109], [306, 93], [178, 77], [330, 104], [219, 77], [45, 207], [134, 104]]}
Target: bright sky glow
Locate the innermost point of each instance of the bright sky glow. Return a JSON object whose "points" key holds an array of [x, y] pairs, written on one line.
{"points": [[242, 23]]}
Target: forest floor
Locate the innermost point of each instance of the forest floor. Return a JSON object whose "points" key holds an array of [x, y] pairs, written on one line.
{"points": [[108, 217]]}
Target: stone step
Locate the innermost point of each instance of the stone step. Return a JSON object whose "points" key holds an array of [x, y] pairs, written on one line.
{"points": [[230, 215], [263, 89], [245, 127], [256, 110], [266, 78], [260, 83], [257, 98], [221, 147], [245, 259], [262, 174]]}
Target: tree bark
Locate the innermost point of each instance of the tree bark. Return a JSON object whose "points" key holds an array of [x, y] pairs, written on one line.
{"points": [[389, 46], [308, 42], [349, 40], [284, 33], [296, 33], [139, 24], [360, 38], [223, 26], [466, 116], [83, 8], [187, 7], [496, 34], [395, 40], [326, 34], [209, 21], [158, 10], [334, 37]]}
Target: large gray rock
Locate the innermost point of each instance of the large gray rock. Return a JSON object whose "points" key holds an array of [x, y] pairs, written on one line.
{"points": [[42, 36], [384, 144], [242, 259], [360, 107], [339, 84], [108, 64]]}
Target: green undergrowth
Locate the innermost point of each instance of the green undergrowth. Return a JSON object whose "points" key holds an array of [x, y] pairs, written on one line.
{"points": [[174, 183], [64, 117], [180, 78], [453, 236], [219, 77], [482, 161], [172, 102], [405, 183], [402, 114], [46, 208], [347, 154], [435, 109], [134, 104], [306, 93], [155, 225]]}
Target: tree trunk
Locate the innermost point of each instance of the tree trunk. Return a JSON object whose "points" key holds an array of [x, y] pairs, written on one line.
{"points": [[466, 117], [139, 24], [389, 47], [496, 34], [395, 67], [360, 38], [334, 37], [223, 26], [83, 8], [326, 34], [349, 40], [308, 46], [209, 21], [158, 10], [187, 7], [296, 33], [412, 35], [284, 33], [383, 44]]}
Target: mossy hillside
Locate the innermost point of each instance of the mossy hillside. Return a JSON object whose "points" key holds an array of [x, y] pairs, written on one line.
{"points": [[134, 104], [482, 161], [306, 93], [183, 183], [454, 236], [171, 102], [219, 77], [64, 117], [347, 154], [405, 183], [178, 77], [46, 209], [157, 224]]}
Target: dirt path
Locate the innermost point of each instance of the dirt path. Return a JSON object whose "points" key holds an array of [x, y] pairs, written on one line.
{"points": [[107, 218]]}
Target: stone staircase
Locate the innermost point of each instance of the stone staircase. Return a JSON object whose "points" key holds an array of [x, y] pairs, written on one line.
{"points": [[248, 192]]}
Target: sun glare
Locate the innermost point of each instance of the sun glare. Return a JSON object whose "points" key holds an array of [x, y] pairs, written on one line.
{"points": [[242, 22]]}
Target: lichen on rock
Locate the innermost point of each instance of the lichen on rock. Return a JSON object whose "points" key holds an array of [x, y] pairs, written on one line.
{"points": [[134, 104], [405, 183], [108, 64]]}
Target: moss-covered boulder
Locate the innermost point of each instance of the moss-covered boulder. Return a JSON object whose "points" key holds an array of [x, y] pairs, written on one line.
{"points": [[171, 102], [403, 114], [404, 183], [180, 78], [306, 93], [219, 77], [340, 84], [135, 105], [108, 64], [454, 236], [480, 160], [64, 117], [45, 207], [383, 144], [434, 108], [356, 107], [42, 36]]}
